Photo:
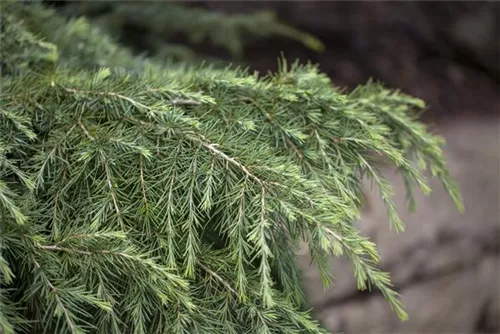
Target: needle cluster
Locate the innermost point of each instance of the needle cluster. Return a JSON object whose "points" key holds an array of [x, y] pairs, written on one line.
{"points": [[139, 197]]}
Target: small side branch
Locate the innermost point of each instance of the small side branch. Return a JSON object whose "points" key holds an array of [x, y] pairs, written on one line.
{"points": [[176, 102], [181, 102], [64, 249], [119, 96], [111, 188], [52, 287], [84, 129], [143, 183], [67, 314], [57, 248], [294, 147], [213, 148], [217, 277], [333, 234]]}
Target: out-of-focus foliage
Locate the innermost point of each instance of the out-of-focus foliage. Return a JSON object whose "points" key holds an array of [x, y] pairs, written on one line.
{"points": [[22, 49], [154, 25]]}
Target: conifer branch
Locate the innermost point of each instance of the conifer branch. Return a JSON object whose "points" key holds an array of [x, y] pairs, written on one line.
{"points": [[147, 262], [64, 249], [203, 141], [84, 129], [143, 183], [246, 181], [217, 277], [333, 234], [55, 292], [179, 102], [112, 94], [213, 148], [175, 102], [111, 186]]}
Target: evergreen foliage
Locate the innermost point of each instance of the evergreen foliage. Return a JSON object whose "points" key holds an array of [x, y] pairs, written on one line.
{"points": [[155, 25], [146, 197]]}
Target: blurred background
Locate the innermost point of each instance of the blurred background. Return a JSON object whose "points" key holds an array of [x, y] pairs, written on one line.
{"points": [[446, 264]]}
